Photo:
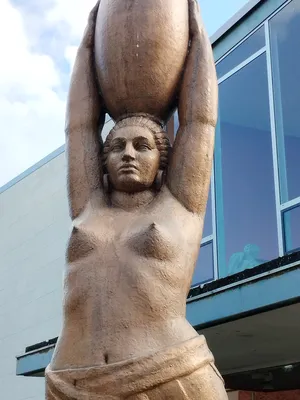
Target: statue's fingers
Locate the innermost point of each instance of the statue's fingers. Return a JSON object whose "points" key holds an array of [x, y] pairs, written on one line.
{"points": [[193, 6], [93, 13], [194, 16], [88, 36]]}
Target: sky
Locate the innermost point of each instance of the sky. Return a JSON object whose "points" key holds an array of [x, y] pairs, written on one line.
{"points": [[38, 42]]}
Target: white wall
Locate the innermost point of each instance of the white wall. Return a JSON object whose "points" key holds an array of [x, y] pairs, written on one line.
{"points": [[34, 229]]}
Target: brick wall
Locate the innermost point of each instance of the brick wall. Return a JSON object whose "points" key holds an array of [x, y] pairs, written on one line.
{"points": [[290, 395]]}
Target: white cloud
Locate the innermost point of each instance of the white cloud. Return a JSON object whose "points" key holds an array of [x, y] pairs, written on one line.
{"points": [[70, 55], [75, 13], [31, 113], [32, 80]]}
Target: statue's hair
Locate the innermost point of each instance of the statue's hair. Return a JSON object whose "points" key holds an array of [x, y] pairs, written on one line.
{"points": [[160, 136]]}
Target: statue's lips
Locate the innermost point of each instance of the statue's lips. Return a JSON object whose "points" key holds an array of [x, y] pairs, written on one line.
{"points": [[128, 168]]}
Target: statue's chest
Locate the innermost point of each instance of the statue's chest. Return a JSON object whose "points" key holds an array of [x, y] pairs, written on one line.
{"points": [[151, 235]]}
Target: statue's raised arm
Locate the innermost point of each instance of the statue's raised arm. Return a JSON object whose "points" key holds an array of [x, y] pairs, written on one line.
{"points": [[84, 121], [191, 161], [137, 219]]}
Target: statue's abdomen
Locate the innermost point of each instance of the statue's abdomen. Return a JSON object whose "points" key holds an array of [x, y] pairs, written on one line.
{"points": [[140, 51]]}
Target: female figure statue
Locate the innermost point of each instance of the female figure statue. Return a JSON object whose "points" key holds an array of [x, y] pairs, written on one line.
{"points": [[138, 211]]}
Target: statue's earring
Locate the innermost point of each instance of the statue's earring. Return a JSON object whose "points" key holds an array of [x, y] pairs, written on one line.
{"points": [[159, 180], [106, 183]]}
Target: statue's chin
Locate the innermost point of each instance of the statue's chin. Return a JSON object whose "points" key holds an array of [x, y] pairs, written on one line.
{"points": [[130, 185]]}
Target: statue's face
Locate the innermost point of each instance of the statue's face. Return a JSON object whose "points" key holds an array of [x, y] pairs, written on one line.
{"points": [[133, 159]]}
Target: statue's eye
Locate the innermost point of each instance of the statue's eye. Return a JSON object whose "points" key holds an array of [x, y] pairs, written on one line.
{"points": [[117, 147], [143, 147]]}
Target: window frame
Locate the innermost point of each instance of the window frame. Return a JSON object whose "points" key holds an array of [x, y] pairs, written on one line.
{"points": [[281, 207]]}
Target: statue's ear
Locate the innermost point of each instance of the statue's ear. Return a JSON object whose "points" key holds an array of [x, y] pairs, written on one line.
{"points": [[159, 180], [106, 184]]}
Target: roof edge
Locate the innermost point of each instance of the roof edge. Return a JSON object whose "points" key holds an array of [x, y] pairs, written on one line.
{"points": [[32, 169], [236, 18]]}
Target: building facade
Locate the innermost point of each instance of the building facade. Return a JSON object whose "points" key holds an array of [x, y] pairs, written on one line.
{"points": [[246, 288]]}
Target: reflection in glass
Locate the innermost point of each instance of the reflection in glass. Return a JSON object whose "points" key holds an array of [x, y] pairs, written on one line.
{"points": [[291, 220], [285, 53], [248, 258], [207, 229], [246, 213], [250, 46], [204, 271]]}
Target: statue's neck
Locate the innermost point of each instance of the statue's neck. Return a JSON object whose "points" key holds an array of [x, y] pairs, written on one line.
{"points": [[130, 201]]}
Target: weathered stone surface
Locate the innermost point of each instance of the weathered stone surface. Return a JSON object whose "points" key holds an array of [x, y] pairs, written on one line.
{"points": [[138, 211], [140, 51]]}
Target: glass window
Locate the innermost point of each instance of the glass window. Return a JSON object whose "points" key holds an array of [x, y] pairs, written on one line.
{"points": [[204, 271], [245, 195], [207, 229], [291, 221], [250, 46], [285, 53]]}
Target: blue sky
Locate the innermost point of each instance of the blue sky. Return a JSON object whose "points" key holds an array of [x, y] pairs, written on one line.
{"points": [[38, 41], [215, 13]]}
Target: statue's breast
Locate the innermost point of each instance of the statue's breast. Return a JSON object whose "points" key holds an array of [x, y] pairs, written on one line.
{"points": [[81, 244], [157, 233], [145, 239], [152, 241]]}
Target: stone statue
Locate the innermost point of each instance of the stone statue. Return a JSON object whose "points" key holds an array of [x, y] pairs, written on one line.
{"points": [[137, 209]]}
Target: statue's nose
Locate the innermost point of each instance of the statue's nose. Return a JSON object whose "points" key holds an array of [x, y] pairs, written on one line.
{"points": [[128, 153]]}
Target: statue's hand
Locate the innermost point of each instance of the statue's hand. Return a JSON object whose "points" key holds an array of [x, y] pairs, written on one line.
{"points": [[195, 21], [89, 33], [84, 101]]}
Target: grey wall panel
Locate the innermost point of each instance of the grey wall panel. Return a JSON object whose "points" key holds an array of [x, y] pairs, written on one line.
{"points": [[34, 229]]}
